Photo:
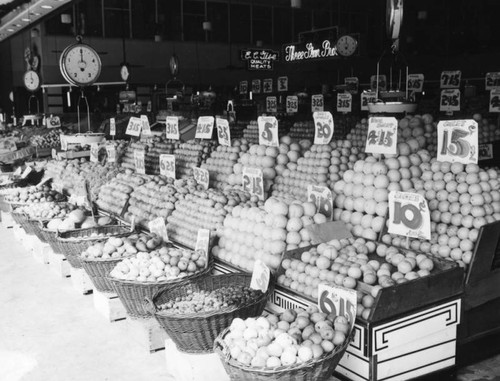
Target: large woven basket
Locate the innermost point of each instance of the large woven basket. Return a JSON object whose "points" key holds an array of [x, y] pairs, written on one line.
{"points": [[134, 294], [313, 370], [196, 332], [98, 270]]}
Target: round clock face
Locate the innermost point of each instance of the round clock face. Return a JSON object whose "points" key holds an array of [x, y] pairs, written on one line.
{"points": [[124, 72], [31, 80], [346, 45], [80, 65]]}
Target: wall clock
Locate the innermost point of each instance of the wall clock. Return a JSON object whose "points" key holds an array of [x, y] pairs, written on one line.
{"points": [[31, 80], [394, 18], [346, 45], [80, 64]]}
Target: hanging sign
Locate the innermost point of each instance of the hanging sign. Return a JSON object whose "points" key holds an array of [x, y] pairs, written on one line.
{"points": [[223, 132], [94, 152], [367, 97], [321, 197], [172, 128], [450, 79], [323, 131], [458, 141], [415, 83], [134, 126], [492, 80], [146, 128], [450, 100], [409, 215], [256, 86], [338, 301], [310, 51], [167, 165], [253, 182], [317, 103], [382, 82], [268, 131], [260, 59], [351, 84], [282, 84], [112, 126], [495, 100], [243, 87], [205, 127], [111, 153], [271, 104], [260, 276], [382, 136], [268, 85], [201, 176], [344, 102], [292, 104], [140, 165], [157, 226]]}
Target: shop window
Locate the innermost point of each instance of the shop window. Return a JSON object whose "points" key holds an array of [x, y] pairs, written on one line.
{"points": [[169, 19], [218, 15], [262, 24], [194, 15], [143, 19], [116, 19], [240, 23]]}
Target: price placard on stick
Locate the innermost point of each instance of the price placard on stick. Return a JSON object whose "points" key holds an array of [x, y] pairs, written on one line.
{"points": [[205, 127], [253, 182], [157, 226], [415, 82], [352, 84], [282, 83], [201, 176], [458, 141], [111, 153], [409, 215], [292, 104], [134, 126], [367, 97], [112, 127], [450, 100], [94, 152], [495, 100], [268, 131], [260, 276], [140, 165], [382, 82], [172, 128], [203, 242], [339, 301], [256, 89], [321, 197], [167, 165], [492, 80], [146, 128], [271, 104], [268, 85], [382, 135], [317, 103], [323, 127], [450, 79], [344, 102], [223, 132], [243, 87]]}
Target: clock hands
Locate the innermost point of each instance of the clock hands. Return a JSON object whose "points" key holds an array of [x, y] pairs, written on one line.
{"points": [[82, 64]]}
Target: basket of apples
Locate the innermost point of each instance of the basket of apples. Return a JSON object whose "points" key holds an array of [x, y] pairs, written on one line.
{"points": [[296, 345]]}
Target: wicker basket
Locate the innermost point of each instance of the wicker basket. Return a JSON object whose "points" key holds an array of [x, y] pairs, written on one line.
{"points": [[196, 332], [313, 370], [134, 294], [98, 270], [72, 243]]}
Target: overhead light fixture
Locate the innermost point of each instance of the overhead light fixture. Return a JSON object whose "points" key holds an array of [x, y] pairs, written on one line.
{"points": [[45, 6], [296, 3]]}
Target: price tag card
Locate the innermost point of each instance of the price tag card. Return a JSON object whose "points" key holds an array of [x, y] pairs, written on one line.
{"points": [[495, 100], [450, 100], [409, 215], [271, 104], [54, 153], [344, 102], [243, 87], [112, 127], [223, 132], [492, 80], [157, 226], [172, 128], [321, 197], [167, 165], [94, 152], [260, 276], [450, 79], [201, 176], [126, 108], [253, 182], [282, 83], [134, 126], [26, 172], [382, 135], [317, 103], [352, 84], [415, 83], [256, 86], [205, 127], [486, 151], [18, 171], [111, 152], [367, 97], [140, 165], [203, 242], [382, 82], [146, 128], [268, 85], [268, 131], [339, 301], [53, 122], [64, 142], [323, 131], [458, 141], [292, 104]]}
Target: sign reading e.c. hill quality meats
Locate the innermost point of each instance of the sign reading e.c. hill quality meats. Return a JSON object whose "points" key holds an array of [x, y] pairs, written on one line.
{"points": [[259, 59], [310, 51]]}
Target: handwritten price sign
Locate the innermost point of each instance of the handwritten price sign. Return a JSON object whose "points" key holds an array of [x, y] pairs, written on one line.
{"points": [[260, 276], [253, 182], [323, 127], [458, 141], [94, 152], [268, 131], [26, 172], [243, 87], [223, 132], [256, 86], [268, 85], [271, 104], [415, 83], [344, 102], [134, 126], [339, 301], [492, 80], [205, 127], [352, 84], [146, 128], [292, 104], [317, 103], [53, 122], [54, 154], [64, 143], [201, 176], [367, 97], [140, 166], [322, 198], [382, 135], [382, 82], [112, 127], [450, 79], [203, 242], [157, 226], [409, 215], [172, 128], [495, 100], [167, 165], [282, 83], [450, 100], [111, 153]]}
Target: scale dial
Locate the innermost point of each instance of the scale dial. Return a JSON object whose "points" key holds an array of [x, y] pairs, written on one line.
{"points": [[80, 64], [394, 18], [31, 80], [124, 72], [346, 45]]}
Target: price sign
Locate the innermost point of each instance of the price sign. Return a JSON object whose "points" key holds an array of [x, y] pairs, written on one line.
{"points": [[126, 108], [352, 84], [243, 87], [409, 215], [172, 128], [94, 152], [53, 122], [201, 176], [268, 131], [282, 83], [492, 80], [450, 100], [485, 151], [146, 128], [112, 127], [323, 131], [157, 226], [292, 104], [271, 104], [26, 172], [256, 86], [495, 100], [344, 102], [223, 132], [134, 126], [205, 127], [260, 276], [167, 165], [111, 152], [321, 197], [64, 143], [317, 103], [203, 242], [367, 97], [382, 82], [415, 83], [339, 301], [458, 141], [17, 172], [54, 154], [382, 135], [140, 165], [450, 79], [268, 85], [253, 182]]}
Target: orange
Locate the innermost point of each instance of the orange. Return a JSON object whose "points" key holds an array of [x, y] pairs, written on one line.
{"points": [[457, 168], [445, 166], [439, 185], [394, 175], [464, 198], [479, 222], [468, 221], [446, 217], [427, 175], [380, 195], [472, 168], [443, 206], [405, 173], [436, 215], [382, 208], [477, 199], [368, 193], [451, 186], [472, 178], [478, 211], [349, 203], [347, 190], [475, 189], [392, 163], [454, 207], [404, 161], [437, 176], [394, 186], [430, 194], [381, 182], [453, 197], [473, 234]]}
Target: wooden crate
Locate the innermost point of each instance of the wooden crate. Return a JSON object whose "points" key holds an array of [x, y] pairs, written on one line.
{"points": [[81, 281], [109, 305], [147, 333], [41, 253], [59, 265]]}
